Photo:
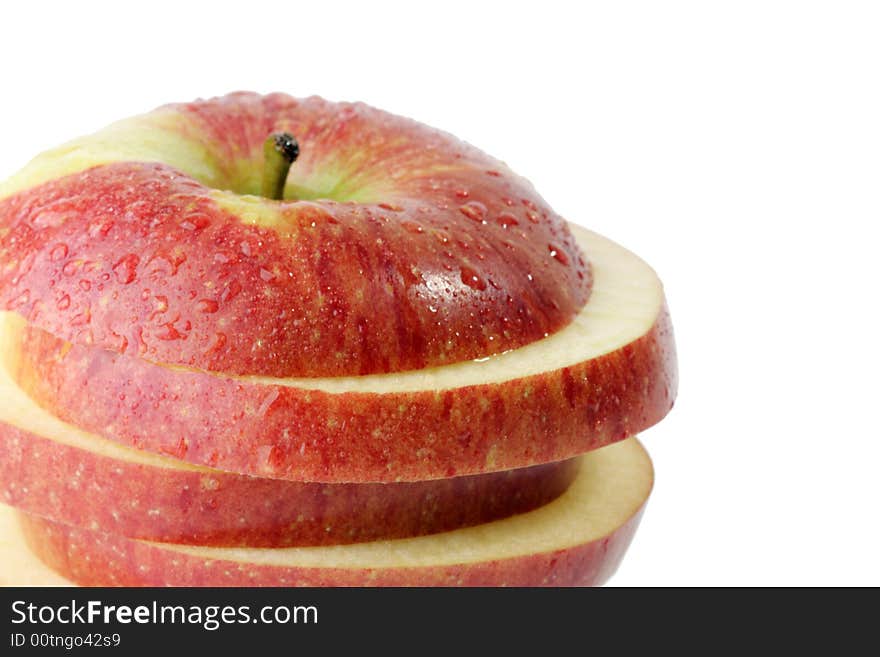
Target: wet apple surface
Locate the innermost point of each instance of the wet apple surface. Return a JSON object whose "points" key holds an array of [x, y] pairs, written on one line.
{"points": [[61, 472], [396, 246], [268, 341], [608, 375], [576, 540]]}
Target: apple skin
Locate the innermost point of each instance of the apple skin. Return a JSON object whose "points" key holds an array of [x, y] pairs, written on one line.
{"points": [[91, 558], [354, 437], [440, 254], [206, 507]]}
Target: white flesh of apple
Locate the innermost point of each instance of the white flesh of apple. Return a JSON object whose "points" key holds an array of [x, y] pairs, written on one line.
{"points": [[626, 300], [613, 484], [18, 566]]}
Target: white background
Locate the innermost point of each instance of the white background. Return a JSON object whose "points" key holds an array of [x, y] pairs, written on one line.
{"points": [[734, 145]]}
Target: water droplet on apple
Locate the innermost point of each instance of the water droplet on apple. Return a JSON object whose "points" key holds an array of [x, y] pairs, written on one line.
{"points": [[207, 306], [533, 217], [170, 333], [470, 278], [59, 252], [141, 343], [63, 302], [101, 228], [462, 193], [391, 207], [558, 254], [218, 344], [475, 211], [412, 226], [85, 285], [230, 291], [70, 268], [120, 342], [173, 258], [160, 304], [506, 219], [126, 268], [195, 221]]}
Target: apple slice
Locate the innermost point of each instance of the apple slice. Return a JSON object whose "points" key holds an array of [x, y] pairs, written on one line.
{"points": [[395, 246], [55, 470], [18, 565], [578, 539], [608, 375]]}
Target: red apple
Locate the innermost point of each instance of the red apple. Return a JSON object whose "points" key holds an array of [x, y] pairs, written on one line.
{"points": [[204, 507], [396, 247], [578, 539], [606, 376], [346, 381], [65, 474]]}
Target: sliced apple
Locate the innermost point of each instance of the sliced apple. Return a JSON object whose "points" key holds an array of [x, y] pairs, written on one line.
{"points": [[396, 246], [578, 539], [18, 565], [608, 375], [50, 468]]}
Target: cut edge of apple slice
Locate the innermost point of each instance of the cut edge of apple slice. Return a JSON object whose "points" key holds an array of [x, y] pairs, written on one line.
{"points": [[51, 468], [613, 484], [18, 565], [152, 137], [625, 303], [611, 487], [588, 528]]}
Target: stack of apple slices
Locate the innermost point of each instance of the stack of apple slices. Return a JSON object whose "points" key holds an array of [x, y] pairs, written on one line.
{"points": [[404, 369]]}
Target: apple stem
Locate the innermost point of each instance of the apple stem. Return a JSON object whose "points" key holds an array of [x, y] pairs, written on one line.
{"points": [[279, 151]]}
